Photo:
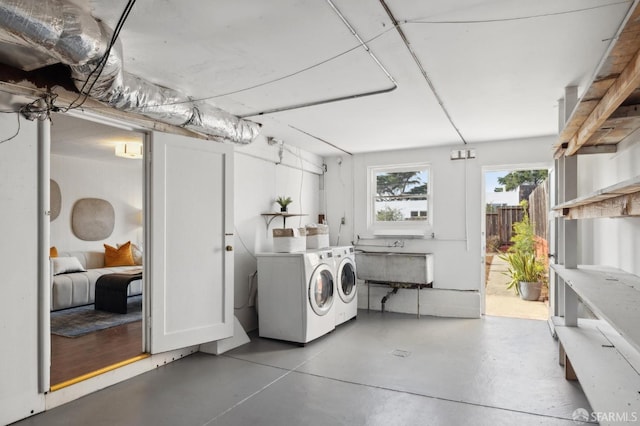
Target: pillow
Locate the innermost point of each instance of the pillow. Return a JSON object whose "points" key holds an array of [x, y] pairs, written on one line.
{"points": [[121, 256], [136, 252], [53, 252], [65, 265]]}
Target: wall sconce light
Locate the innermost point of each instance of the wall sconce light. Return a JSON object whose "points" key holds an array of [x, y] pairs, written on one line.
{"points": [[132, 150]]}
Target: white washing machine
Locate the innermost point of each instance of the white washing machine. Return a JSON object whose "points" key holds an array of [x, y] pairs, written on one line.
{"points": [[296, 294], [347, 298]]}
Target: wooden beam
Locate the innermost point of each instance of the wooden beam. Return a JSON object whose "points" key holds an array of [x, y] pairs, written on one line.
{"points": [[578, 117], [569, 372], [625, 84], [598, 149]]}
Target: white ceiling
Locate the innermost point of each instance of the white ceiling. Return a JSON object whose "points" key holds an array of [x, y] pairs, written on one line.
{"points": [[499, 67]]}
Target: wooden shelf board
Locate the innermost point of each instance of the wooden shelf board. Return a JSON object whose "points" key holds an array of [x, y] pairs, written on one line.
{"points": [[612, 294], [268, 217], [609, 381], [626, 187], [282, 214], [613, 83]]}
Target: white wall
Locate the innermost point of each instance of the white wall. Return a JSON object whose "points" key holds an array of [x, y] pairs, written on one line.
{"points": [[19, 396], [118, 181], [605, 241], [458, 202], [258, 181]]}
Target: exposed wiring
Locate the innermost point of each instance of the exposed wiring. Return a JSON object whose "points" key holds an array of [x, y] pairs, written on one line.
{"points": [[33, 111], [344, 198], [243, 244], [103, 60], [301, 180], [251, 288], [516, 18], [298, 154], [283, 77], [83, 93], [466, 207], [16, 133]]}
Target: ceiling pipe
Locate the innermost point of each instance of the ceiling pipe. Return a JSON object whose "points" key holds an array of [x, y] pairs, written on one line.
{"points": [[405, 40], [73, 37], [362, 43], [393, 87]]}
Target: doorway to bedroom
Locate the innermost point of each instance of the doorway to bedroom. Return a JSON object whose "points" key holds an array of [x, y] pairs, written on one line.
{"points": [[97, 199]]}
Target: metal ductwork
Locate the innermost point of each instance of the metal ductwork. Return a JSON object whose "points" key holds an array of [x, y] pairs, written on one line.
{"points": [[70, 35]]}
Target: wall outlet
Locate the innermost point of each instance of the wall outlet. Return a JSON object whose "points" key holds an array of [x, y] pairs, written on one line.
{"points": [[343, 220]]}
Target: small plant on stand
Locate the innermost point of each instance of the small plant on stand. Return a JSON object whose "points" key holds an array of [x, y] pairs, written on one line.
{"points": [[283, 202]]}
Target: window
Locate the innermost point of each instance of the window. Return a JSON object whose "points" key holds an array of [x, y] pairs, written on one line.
{"points": [[400, 199]]}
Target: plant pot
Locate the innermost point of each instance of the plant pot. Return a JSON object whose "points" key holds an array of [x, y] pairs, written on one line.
{"points": [[529, 290], [283, 209]]}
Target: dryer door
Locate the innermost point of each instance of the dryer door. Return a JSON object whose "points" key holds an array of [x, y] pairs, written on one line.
{"points": [[321, 290], [347, 280]]}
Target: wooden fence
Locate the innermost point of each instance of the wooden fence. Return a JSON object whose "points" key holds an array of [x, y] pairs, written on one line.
{"points": [[492, 225], [500, 224], [539, 210], [507, 216]]}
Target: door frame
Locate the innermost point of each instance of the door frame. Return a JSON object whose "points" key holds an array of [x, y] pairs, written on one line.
{"points": [[483, 214], [44, 265]]}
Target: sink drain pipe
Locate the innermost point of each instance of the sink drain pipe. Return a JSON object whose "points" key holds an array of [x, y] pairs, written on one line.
{"points": [[387, 296]]}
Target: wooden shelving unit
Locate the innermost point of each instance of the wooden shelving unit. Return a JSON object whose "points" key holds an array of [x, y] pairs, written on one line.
{"points": [[603, 354]]}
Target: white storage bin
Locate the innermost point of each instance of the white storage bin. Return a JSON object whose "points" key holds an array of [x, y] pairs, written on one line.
{"points": [[317, 236], [289, 240]]}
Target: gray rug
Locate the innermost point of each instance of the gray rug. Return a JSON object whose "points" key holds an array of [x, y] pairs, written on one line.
{"points": [[74, 322]]}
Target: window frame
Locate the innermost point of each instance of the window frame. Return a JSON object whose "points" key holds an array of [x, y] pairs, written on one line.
{"points": [[405, 227]]}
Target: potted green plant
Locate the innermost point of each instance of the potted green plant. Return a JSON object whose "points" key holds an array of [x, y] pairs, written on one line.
{"points": [[526, 273], [283, 202]]}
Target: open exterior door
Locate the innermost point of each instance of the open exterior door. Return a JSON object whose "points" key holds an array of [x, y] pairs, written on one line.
{"points": [[189, 242]]}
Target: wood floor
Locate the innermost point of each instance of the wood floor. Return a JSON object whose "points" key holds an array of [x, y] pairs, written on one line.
{"points": [[73, 357]]}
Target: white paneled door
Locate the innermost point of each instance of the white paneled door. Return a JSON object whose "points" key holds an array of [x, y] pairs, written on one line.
{"points": [[190, 241]]}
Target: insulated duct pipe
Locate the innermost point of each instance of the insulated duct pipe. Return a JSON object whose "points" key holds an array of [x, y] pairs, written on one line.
{"points": [[72, 36]]}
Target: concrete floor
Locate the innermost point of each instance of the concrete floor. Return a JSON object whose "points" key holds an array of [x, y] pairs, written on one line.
{"points": [[381, 369], [504, 302]]}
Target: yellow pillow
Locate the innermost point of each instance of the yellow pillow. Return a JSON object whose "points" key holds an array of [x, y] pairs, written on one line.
{"points": [[53, 252], [118, 256]]}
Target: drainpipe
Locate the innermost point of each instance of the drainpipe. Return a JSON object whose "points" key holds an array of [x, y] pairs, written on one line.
{"points": [[387, 297]]}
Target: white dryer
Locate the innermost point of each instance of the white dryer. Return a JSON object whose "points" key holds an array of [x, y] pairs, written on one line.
{"points": [[296, 295], [347, 299]]}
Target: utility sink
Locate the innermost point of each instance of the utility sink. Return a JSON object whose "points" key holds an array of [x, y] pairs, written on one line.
{"points": [[393, 267]]}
